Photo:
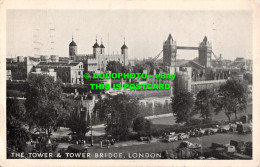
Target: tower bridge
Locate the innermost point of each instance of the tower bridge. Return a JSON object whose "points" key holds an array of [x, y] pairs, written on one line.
{"points": [[170, 52]]}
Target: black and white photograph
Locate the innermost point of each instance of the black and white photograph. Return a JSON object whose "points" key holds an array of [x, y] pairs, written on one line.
{"points": [[124, 84]]}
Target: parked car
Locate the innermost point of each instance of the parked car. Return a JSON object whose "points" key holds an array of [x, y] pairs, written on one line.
{"points": [[202, 132], [169, 154], [240, 145], [172, 133], [109, 139], [186, 153], [171, 138], [244, 128], [182, 136], [190, 145], [77, 149], [248, 150], [223, 128], [210, 131], [145, 138]]}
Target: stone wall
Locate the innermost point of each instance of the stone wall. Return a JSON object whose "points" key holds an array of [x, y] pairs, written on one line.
{"points": [[211, 84]]}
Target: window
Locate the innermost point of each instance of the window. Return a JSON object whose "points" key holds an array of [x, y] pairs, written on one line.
{"points": [[79, 72]]}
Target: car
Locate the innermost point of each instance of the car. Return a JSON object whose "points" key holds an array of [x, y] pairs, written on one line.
{"points": [[172, 133], [182, 136], [190, 145], [223, 128], [145, 138], [77, 150], [171, 138], [248, 150], [202, 131], [210, 131], [244, 128]]}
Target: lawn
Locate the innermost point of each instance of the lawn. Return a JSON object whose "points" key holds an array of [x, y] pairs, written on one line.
{"points": [[170, 120]]}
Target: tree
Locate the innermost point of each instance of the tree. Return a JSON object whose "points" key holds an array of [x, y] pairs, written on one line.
{"points": [[248, 77], [149, 66], [141, 125], [122, 110], [44, 103], [232, 98], [203, 103], [138, 68], [16, 134], [77, 124], [182, 106], [116, 67]]}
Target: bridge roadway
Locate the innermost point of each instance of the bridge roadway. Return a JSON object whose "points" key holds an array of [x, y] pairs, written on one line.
{"points": [[187, 47]]}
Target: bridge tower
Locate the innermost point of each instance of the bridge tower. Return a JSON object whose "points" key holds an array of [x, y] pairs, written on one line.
{"points": [[205, 50], [169, 52]]}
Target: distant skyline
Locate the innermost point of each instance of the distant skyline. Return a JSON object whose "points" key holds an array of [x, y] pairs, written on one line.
{"points": [[230, 32]]}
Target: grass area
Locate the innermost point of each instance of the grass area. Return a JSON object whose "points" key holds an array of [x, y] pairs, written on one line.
{"points": [[170, 123]]}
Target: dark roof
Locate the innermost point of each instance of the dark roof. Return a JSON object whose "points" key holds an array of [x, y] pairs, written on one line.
{"points": [[170, 37], [34, 58], [57, 64], [124, 47], [191, 63], [240, 59], [102, 46], [96, 45], [205, 39], [73, 43]]}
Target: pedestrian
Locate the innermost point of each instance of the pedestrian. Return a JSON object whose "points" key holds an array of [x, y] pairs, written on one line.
{"points": [[108, 143], [113, 141], [100, 143]]}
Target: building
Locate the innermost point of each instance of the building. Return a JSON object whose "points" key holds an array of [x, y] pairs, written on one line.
{"points": [[16, 70], [49, 72], [183, 79], [169, 51], [8, 75], [67, 72], [98, 60], [205, 50]]}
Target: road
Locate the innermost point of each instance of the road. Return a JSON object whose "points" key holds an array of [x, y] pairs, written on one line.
{"points": [[128, 152]]}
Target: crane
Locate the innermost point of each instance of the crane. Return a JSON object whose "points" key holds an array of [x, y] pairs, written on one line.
{"points": [[219, 59], [156, 57]]}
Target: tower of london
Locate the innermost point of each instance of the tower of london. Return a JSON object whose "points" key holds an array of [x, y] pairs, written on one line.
{"points": [[98, 60]]}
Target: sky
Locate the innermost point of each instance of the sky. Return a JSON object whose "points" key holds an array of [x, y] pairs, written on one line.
{"points": [[230, 32]]}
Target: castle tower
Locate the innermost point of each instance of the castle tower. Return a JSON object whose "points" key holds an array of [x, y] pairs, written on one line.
{"points": [[72, 50], [96, 53], [205, 49], [96, 49], [102, 48], [169, 52], [124, 52]]}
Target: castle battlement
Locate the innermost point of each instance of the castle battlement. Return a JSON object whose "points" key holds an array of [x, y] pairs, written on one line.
{"points": [[98, 60]]}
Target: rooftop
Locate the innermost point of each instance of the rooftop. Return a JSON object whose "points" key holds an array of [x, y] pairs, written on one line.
{"points": [[57, 64]]}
